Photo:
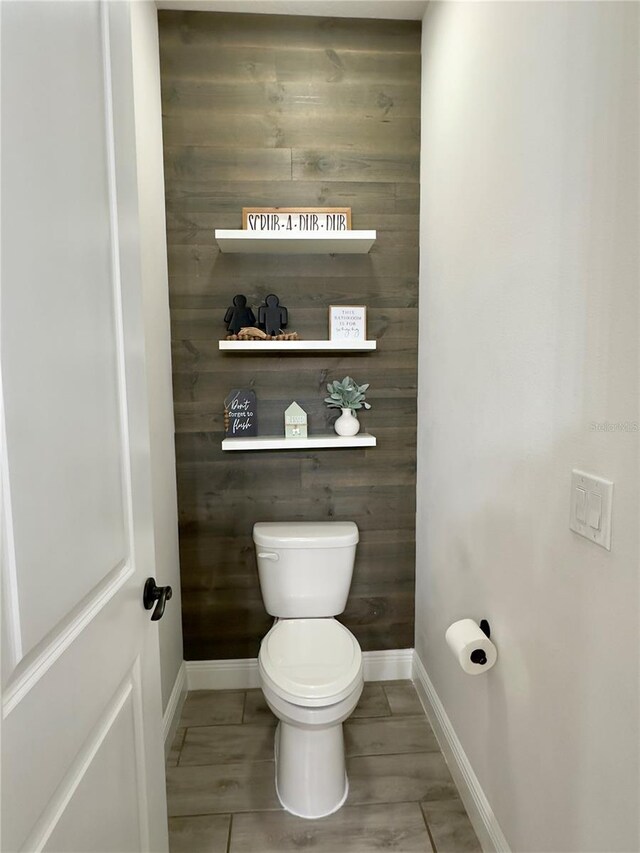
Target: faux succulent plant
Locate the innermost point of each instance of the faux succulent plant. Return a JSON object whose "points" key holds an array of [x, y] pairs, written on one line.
{"points": [[346, 394]]}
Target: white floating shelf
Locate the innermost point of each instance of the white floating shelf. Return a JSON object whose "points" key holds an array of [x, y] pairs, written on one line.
{"points": [[297, 346], [257, 242], [278, 442]]}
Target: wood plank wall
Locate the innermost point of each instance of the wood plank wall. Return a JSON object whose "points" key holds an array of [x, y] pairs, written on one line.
{"points": [[275, 110]]}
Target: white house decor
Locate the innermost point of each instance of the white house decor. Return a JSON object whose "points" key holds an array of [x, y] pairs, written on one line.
{"points": [[347, 396], [348, 323], [295, 422]]}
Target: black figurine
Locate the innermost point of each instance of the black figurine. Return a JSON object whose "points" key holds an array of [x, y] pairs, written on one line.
{"points": [[272, 316], [239, 315]]}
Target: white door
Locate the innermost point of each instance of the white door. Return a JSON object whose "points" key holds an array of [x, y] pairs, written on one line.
{"points": [[82, 758]]}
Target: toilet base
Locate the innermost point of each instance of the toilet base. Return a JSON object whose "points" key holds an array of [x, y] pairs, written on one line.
{"points": [[311, 778]]}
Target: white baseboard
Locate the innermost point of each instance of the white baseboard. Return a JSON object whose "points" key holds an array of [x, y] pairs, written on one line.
{"points": [[174, 708], [475, 801], [389, 665], [242, 674], [235, 674]]}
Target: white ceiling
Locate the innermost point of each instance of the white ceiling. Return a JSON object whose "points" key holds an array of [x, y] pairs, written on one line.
{"points": [[404, 10]]}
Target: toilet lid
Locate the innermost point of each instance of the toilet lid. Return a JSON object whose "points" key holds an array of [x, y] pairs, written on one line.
{"points": [[310, 658]]}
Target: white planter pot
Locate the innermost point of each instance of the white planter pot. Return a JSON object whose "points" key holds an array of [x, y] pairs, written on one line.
{"points": [[347, 424]]}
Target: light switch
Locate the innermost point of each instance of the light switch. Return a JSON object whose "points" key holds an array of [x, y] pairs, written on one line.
{"points": [[591, 505], [594, 510]]}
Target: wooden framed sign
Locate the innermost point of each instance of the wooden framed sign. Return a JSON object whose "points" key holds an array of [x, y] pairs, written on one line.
{"points": [[292, 220], [240, 414], [348, 323]]}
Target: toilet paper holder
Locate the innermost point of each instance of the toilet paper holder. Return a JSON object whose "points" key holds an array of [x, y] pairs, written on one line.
{"points": [[478, 656]]}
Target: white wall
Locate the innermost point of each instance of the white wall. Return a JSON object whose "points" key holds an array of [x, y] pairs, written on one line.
{"points": [[529, 334], [148, 114]]}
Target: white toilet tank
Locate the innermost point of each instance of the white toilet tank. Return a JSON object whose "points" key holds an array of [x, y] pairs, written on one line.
{"points": [[305, 568]]}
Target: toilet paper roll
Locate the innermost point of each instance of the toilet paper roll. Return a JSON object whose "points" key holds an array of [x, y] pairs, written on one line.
{"points": [[473, 649]]}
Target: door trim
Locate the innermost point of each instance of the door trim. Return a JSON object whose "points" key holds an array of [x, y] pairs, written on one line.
{"points": [[173, 710]]}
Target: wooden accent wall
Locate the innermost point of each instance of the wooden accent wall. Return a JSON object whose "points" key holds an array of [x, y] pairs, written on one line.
{"points": [[275, 110]]}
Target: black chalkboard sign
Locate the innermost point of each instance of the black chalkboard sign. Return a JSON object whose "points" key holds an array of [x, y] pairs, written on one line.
{"points": [[240, 414]]}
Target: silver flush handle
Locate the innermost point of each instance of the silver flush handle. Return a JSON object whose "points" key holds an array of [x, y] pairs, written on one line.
{"points": [[268, 555]]}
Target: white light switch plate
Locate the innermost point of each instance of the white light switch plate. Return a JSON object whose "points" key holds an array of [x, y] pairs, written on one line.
{"points": [[596, 523]]}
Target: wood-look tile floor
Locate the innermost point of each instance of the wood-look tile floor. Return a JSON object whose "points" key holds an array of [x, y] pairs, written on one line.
{"points": [[221, 794]]}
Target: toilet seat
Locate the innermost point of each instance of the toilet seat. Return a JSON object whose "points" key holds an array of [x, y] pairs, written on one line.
{"points": [[312, 662]]}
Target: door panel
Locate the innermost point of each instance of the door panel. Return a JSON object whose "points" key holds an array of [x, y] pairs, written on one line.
{"points": [[84, 823], [101, 799], [53, 722], [62, 321], [82, 755]]}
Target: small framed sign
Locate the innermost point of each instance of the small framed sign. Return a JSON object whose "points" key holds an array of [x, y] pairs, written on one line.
{"points": [[348, 323], [294, 220], [240, 414]]}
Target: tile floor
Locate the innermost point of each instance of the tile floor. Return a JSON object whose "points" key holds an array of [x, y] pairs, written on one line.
{"points": [[220, 781]]}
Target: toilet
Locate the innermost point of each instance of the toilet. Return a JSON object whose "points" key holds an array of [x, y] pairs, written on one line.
{"points": [[310, 665]]}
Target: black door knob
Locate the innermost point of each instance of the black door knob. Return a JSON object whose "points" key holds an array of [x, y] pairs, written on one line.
{"points": [[153, 594]]}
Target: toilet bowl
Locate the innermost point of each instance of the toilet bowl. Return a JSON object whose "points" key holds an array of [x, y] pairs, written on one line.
{"points": [[311, 676], [310, 665]]}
